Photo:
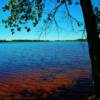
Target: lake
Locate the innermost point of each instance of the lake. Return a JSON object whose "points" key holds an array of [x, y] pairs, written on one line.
{"points": [[47, 66]]}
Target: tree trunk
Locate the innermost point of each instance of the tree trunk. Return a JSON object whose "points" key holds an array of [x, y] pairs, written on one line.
{"points": [[93, 42]]}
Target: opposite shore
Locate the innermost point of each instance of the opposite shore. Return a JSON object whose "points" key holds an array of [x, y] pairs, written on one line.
{"points": [[76, 40]]}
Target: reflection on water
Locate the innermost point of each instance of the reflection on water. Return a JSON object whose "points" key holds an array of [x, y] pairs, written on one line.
{"points": [[45, 71]]}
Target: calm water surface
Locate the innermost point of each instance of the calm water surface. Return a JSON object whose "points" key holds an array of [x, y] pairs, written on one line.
{"points": [[16, 57], [19, 61]]}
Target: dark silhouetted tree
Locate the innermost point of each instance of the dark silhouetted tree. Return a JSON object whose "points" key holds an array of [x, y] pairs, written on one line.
{"points": [[93, 41]]}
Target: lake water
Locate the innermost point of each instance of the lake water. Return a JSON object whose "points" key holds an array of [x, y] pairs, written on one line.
{"points": [[31, 65]]}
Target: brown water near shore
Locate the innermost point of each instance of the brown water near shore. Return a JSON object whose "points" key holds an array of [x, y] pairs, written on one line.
{"points": [[44, 84]]}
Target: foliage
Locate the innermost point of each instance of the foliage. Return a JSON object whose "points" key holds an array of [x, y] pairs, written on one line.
{"points": [[97, 14], [23, 11]]}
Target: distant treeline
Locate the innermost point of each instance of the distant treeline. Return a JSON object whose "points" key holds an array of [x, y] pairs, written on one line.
{"points": [[76, 40], [24, 40], [80, 40]]}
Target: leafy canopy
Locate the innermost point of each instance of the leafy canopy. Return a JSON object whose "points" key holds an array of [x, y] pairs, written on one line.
{"points": [[23, 11]]}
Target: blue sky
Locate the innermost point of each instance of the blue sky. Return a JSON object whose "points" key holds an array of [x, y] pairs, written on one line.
{"points": [[64, 32]]}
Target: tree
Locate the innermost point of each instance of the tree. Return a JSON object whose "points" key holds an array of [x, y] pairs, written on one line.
{"points": [[93, 42], [31, 10]]}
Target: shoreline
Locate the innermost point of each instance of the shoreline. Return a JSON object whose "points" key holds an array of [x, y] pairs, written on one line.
{"points": [[20, 40]]}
